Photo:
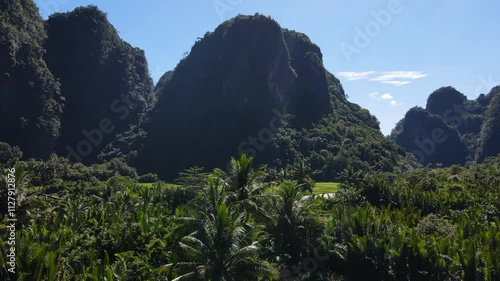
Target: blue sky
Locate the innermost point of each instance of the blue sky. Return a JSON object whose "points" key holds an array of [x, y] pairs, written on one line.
{"points": [[389, 54]]}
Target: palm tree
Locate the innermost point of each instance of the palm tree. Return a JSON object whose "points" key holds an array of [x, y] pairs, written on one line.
{"points": [[291, 233], [351, 177], [300, 171], [241, 177], [244, 187], [225, 248]]}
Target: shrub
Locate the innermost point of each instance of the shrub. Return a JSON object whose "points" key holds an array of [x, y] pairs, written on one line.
{"points": [[8, 152], [150, 177]]}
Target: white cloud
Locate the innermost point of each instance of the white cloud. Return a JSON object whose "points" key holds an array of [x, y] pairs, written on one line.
{"points": [[355, 75], [396, 83], [395, 75], [387, 96], [396, 78], [394, 103], [373, 95]]}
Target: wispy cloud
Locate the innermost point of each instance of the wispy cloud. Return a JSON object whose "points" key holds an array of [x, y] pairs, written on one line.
{"points": [[356, 75], [384, 97], [396, 78], [394, 75], [394, 103], [396, 83], [373, 95]]}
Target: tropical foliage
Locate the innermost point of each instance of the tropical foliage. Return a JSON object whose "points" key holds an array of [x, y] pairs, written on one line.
{"points": [[425, 224]]}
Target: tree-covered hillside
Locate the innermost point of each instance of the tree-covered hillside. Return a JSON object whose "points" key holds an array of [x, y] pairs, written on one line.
{"points": [[253, 87], [451, 129], [489, 138]]}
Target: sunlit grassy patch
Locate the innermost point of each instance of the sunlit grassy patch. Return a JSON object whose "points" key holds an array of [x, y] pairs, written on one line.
{"points": [[325, 187]]}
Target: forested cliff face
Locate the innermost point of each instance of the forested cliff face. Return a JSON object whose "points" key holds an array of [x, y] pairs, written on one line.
{"points": [[105, 81], [253, 87], [451, 129], [69, 85], [431, 139], [30, 98], [489, 138]]}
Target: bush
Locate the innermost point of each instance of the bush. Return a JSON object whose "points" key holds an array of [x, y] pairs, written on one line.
{"points": [[432, 224], [148, 178], [8, 152]]}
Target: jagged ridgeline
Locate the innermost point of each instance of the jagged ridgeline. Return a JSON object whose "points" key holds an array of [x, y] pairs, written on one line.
{"points": [[451, 129], [30, 98], [253, 87], [105, 81]]}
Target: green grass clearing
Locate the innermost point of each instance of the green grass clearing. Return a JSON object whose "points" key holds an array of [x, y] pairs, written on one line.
{"points": [[319, 188], [326, 187], [152, 184]]}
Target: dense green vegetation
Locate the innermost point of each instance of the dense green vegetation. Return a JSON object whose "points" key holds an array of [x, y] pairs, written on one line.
{"points": [[425, 224], [451, 129]]}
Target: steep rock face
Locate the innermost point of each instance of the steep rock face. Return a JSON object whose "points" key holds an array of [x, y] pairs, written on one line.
{"points": [[30, 101], [313, 99], [105, 81], [234, 82], [430, 139]]}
